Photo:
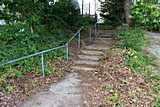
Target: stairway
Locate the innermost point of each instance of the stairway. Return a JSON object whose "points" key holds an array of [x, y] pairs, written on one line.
{"points": [[89, 56]]}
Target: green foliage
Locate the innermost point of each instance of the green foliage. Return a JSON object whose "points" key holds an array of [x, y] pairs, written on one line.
{"points": [[133, 42], [138, 61], [146, 14], [132, 38], [112, 12], [69, 16], [113, 97], [9, 88], [33, 26]]}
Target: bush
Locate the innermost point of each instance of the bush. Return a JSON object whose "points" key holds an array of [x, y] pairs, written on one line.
{"points": [[146, 15], [112, 12], [40, 26]]}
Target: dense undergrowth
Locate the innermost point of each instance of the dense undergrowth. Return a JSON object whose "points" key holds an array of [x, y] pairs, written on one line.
{"points": [[39, 26], [133, 42]]}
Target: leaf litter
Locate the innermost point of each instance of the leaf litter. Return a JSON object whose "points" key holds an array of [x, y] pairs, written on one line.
{"points": [[117, 86]]}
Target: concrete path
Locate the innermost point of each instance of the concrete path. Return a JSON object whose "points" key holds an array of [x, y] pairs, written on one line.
{"points": [[155, 44], [67, 93], [62, 94], [154, 48]]}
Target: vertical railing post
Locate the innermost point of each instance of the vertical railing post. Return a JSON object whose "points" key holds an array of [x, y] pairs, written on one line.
{"points": [[42, 58], [99, 25], [90, 34], [79, 40], [95, 29], [66, 52]]}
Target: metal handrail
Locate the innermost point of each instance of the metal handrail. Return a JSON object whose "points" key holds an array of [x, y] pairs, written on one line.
{"points": [[66, 45]]}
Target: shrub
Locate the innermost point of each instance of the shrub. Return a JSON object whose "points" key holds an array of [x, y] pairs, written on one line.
{"points": [[112, 12], [146, 14]]}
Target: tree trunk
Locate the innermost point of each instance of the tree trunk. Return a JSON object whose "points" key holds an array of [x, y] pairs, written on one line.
{"points": [[127, 8]]}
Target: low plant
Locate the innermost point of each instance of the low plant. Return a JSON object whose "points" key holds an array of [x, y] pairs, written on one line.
{"points": [[113, 97], [139, 61], [132, 38]]}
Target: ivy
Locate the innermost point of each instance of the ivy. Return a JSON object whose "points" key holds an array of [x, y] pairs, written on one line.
{"points": [[33, 26]]}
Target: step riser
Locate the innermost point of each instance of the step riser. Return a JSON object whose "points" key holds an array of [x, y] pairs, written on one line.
{"points": [[82, 68], [108, 32], [84, 62], [95, 58], [105, 36], [98, 46], [103, 40], [87, 52]]}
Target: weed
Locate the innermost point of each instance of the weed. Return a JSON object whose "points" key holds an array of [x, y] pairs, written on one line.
{"points": [[38, 103], [34, 84], [132, 95], [102, 84], [86, 103], [98, 89], [124, 81], [9, 88], [157, 53], [109, 88], [114, 97]]}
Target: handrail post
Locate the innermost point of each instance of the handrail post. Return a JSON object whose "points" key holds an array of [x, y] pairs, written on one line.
{"points": [[95, 28], [42, 58], [79, 42], [90, 34], [66, 52], [99, 25]]}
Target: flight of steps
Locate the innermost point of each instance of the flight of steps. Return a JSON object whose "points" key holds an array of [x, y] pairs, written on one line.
{"points": [[90, 55]]}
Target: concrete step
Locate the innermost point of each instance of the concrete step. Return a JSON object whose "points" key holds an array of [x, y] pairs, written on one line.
{"points": [[108, 31], [82, 68], [98, 46], [106, 36], [88, 39], [90, 52], [87, 57], [86, 62], [104, 40]]}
